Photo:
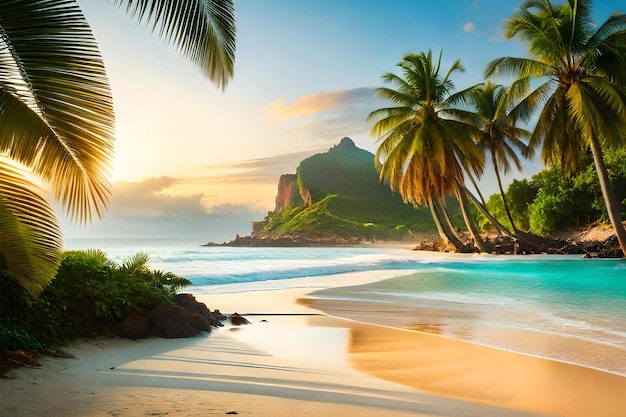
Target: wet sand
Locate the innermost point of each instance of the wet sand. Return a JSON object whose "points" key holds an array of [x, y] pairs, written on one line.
{"points": [[297, 361]]}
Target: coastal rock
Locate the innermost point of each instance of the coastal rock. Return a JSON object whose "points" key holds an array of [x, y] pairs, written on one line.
{"points": [[186, 319], [172, 322], [189, 303], [237, 320], [134, 328]]}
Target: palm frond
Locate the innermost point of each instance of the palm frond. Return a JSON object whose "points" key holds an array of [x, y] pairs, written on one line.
{"points": [[612, 95], [519, 67], [395, 96], [463, 97], [465, 116], [202, 30], [613, 25], [599, 108], [392, 118], [526, 107], [135, 263], [31, 239], [98, 255], [170, 280], [541, 30], [56, 70]]}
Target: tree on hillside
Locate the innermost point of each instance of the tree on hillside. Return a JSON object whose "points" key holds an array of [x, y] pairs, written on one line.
{"points": [[420, 151], [57, 119], [580, 68]]}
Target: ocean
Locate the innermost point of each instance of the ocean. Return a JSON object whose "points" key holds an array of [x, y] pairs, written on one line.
{"points": [[559, 307]]}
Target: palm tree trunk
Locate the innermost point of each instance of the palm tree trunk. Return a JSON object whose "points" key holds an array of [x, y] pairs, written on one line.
{"points": [[469, 220], [612, 205], [504, 200], [475, 184], [451, 228], [488, 215], [447, 234], [437, 220]]}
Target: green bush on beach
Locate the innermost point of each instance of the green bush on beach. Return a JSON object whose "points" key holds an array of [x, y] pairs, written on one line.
{"points": [[89, 296]]}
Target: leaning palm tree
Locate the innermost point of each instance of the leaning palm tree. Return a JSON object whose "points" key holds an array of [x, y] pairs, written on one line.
{"points": [[57, 119], [420, 150], [501, 138], [581, 93]]}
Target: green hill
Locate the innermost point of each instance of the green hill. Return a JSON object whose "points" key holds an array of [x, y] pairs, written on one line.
{"points": [[338, 193]]}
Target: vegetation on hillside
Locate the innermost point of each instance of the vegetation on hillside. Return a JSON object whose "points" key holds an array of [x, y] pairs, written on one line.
{"points": [[347, 201]]}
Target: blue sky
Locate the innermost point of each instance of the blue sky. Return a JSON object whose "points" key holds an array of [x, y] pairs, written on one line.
{"points": [[195, 162]]}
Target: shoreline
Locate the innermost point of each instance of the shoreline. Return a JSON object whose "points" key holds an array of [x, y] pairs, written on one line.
{"points": [[590, 241], [289, 362], [365, 304], [570, 381], [451, 368], [467, 371]]}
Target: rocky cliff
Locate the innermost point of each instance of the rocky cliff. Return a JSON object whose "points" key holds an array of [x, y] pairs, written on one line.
{"points": [[290, 194]]}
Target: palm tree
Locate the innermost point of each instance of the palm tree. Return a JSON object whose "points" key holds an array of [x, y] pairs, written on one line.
{"points": [[57, 119], [581, 71], [501, 138], [422, 150]]}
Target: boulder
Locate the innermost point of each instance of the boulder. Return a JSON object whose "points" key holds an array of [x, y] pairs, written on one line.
{"points": [[172, 322], [189, 303], [236, 319], [185, 319], [134, 328]]}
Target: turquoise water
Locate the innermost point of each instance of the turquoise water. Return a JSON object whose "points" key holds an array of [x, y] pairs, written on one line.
{"points": [[562, 307]]}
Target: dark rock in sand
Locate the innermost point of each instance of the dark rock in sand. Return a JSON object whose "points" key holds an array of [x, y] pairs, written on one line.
{"points": [[186, 319], [134, 328], [172, 322], [189, 303], [237, 320]]}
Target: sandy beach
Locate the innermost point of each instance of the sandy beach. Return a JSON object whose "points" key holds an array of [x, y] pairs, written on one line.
{"points": [[295, 360]]}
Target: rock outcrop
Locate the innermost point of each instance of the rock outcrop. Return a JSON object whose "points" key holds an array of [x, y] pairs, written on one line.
{"points": [[288, 193], [185, 319], [237, 319]]}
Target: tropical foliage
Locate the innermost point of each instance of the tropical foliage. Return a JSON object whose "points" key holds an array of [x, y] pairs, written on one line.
{"points": [[57, 118], [553, 201], [423, 150], [576, 77], [89, 295], [500, 137]]}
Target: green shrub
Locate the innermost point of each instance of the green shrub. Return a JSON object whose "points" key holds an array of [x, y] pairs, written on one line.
{"points": [[88, 296]]}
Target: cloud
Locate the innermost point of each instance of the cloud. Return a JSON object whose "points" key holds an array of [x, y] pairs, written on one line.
{"points": [[327, 117], [222, 200], [258, 170], [332, 101], [151, 209], [469, 27], [280, 110]]}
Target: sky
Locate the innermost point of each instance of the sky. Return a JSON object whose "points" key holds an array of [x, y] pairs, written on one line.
{"points": [[195, 162]]}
